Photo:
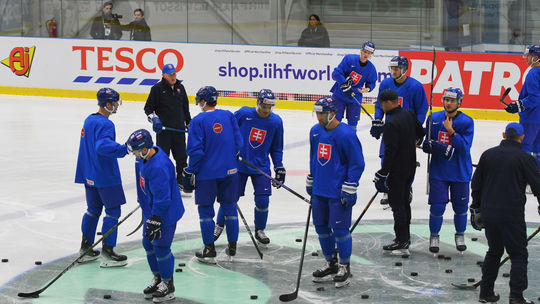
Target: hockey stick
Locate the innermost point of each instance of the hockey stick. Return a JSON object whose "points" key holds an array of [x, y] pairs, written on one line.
{"points": [[363, 212], [475, 285], [274, 180], [138, 227], [35, 294], [176, 130], [291, 296], [362, 107], [501, 100], [430, 119], [263, 257]]}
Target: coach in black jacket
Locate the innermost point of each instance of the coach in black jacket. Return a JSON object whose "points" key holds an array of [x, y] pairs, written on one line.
{"points": [[168, 106], [498, 193], [401, 133]]}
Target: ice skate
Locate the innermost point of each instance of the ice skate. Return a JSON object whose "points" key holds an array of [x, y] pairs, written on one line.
{"points": [[164, 292], [489, 299], [231, 250], [341, 279], [148, 291], [217, 231], [326, 272], [434, 244], [207, 255], [92, 255], [519, 301], [185, 193], [460, 243], [398, 248], [109, 258], [262, 238]]}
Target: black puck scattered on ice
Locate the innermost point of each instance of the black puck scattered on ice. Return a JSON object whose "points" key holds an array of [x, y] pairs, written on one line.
{"points": [[365, 296], [320, 288], [440, 256], [506, 275], [37, 262], [181, 265], [448, 271], [107, 296], [5, 260], [474, 239], [405, 256], [398, 264], [471, 280], [253, 297], [99, 233], [298, 240], [314, 254], [414, 274], [479, 262], [447, 258], [178, 270]]}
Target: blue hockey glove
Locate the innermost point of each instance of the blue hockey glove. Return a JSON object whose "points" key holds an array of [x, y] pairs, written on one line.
{"points": [[347, 88], [280, 176], [309, 184], [515, 107], [427, 146], [380, 182], [377, 128], [153, 228], [188, 181], [348, 194], [476, 219], [442, 149], [157, 126]]}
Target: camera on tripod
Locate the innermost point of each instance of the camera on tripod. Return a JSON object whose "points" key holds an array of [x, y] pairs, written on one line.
{"points": [[117, 16]]}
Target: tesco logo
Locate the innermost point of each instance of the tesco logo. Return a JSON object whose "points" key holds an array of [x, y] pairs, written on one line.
{"points": [[126, 59]]}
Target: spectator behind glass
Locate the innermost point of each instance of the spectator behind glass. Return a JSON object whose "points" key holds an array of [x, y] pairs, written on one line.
{"points": [[139, 29], [107, 25], [315, 34]]}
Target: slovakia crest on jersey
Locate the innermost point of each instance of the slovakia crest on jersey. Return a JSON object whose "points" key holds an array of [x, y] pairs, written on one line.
{"points": [[355, 77], [444, 138], [324, 152], [256, 137], [141, 182]]}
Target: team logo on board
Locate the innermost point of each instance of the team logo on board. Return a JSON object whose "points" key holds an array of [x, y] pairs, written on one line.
{"points": [[20, 60], [256, 137], [324, 152]]}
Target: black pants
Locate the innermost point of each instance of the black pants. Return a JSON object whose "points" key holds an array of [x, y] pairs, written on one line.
{"points": [[175, 141], [398, 199], [511, 235]]}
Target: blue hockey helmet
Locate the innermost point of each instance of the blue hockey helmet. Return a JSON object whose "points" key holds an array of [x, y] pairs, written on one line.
{"points": [[534, 50], [369, 46], [325, 104], [266, 96], [208, 94], [105, 95], [454, 93], [140, 139], [400, 62]]}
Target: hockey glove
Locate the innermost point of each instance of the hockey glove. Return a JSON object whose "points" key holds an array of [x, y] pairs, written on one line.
{"points": [[377, 128], [348, 194], [442, 150], [347, 88], [157, 126], [476, 219], [427, 146], [153, 228], [380, 182], [515, 107], [280, 176], [309, 184], [188, 181]]}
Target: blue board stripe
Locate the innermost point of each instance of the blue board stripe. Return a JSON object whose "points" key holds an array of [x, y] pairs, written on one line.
{"points": [[82, 79], [127, 80], [104, 79]]}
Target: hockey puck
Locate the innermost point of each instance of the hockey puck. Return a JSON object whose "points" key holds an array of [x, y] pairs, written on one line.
{"points": [[414, 274], [314, 254], [440, 256], [37, 262], [365, 296], [182, 265], [405, 256], [5, 260], [447, 258], [448, 271], [479, 262], [99, 233], [320, 288], [253, 297], [178, 270], [474, 239], [107, 296], [506, 275], [398, 264], [298, 240], [471, 280]]}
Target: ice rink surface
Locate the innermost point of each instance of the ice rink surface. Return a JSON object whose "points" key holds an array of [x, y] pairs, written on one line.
{"points": [[41, 207]]}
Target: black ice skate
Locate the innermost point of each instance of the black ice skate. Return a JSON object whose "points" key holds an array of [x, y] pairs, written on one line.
{"points": [[325, 273], [92, 255], [341, 279], [384, 200], [519, 301], [231, 250], [109, 258], [207, 255], [217, 232], [434, 244], [460, 243], [489, 299], [148, 291], [398, 248], [164, 292], [261, 237]]}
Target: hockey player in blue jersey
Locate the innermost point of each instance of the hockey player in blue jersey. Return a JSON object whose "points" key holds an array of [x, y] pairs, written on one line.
{"points": [[450, 168], [354, 76], [336, 163], [97, 169], [214, 140], [262, 132], [162, 207], [412, 97], [528, 103]]}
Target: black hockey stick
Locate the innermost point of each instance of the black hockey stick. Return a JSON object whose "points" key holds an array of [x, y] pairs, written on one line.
{"points": [[263, 257], [501, 100], [363, 212], [274, 180], [176, 130], [475, 285], [291, 296], [430, 119], [362, 107], [138, 227], [35, 294]]}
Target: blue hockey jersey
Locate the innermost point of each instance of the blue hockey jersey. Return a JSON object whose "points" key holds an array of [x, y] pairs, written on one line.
{"points": [[97, 163], [335, 157], [213, 141], [157, 188], [412, 97], [459, 167], [262, 136], [530, 96], [361, 75]]}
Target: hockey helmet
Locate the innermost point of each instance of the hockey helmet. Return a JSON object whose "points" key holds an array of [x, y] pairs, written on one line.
{"points": [[400, 62], [140, 139], [325, 104], [105, 95], [534, 50], [266, 96], [208, 94], [454, 93], [369, 46]]}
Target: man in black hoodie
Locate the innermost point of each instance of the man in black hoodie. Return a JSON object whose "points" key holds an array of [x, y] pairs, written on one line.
{"points": [[139, 29]]}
